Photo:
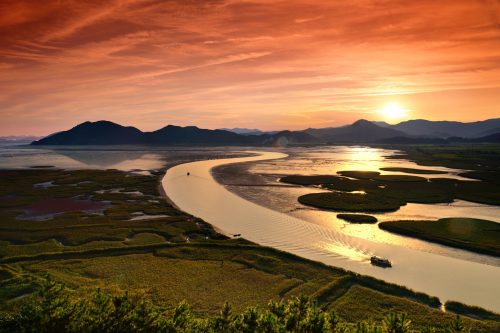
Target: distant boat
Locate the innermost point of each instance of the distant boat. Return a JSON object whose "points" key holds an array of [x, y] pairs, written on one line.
{"points": [[382, 262], [188, 173], [237, 235]]}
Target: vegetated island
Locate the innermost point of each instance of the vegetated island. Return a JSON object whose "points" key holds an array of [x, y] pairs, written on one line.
{"points": [[481, 236], [369, 191], [358, 218], [165, 257], [351, 202], [414, 171]]}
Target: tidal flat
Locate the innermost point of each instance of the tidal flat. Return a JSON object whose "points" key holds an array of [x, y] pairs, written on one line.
{"points": [[170, 259], [425, 271], [152, 257]]}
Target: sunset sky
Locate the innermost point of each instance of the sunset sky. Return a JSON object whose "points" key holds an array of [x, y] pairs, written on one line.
{"points": [[261, 64]]}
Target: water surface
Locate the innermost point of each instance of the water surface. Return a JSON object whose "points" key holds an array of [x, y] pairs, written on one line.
{"points": [[242, 178], [447, 277]]}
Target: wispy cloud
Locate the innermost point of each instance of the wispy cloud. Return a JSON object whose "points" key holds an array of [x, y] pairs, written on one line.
{"points": [[220, 63]]}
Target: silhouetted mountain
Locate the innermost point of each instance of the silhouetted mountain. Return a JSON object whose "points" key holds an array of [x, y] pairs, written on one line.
{"points": [[444, 129], [95, 133], [248, 131], [493, 138], [360, 131], [283, 138], [406, 140], [19, 138], [108, 133], [490, 131], [172, 135], [382, 124]]}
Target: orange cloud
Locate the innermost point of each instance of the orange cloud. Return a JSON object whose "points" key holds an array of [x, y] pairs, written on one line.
{"points": [[224, 63]]}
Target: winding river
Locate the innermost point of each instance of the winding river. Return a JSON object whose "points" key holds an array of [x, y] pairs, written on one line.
{"points": [[445, 277]]}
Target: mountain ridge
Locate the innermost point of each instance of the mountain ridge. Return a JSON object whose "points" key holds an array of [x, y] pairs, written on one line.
{"points": [[108, 133], [361, 131], [444, 128]]}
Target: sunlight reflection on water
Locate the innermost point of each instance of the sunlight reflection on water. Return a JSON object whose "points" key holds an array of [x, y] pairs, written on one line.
{"points": [[321, 161], [200, 195]]}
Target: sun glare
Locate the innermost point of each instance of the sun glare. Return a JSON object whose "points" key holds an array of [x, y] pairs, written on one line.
{"points": [[393, 111]]}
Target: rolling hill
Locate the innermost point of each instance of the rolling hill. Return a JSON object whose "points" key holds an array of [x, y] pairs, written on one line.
{"points": [[445, 129], [360, 131], [109, 133]]}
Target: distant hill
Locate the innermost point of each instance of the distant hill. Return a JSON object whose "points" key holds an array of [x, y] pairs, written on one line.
{"points": [[109, 133], [493, 138], [172, 135], [248, 131], [284, 138], [490, 131], [445, 129], [17, 139], [406, 140], [95, 133], [360, 131]]}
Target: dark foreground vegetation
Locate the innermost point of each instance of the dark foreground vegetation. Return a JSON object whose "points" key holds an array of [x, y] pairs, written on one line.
{"points": [[55, 309], [133, 241], [470, 234]]}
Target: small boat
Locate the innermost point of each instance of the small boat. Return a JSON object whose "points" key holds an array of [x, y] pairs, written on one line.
{"points": [[188, 173], [237, 235], [381, 262]]}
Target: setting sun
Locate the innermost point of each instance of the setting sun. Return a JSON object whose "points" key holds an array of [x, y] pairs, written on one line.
{"points": [[393, 111]]}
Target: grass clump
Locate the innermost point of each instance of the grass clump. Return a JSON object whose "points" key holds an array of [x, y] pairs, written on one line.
{"points": [[359, 174], [471, 311], [389, 192], [358, 218], [476, 235], [309, 180], [488, 176], [352, 202], [414, 171], [400, 178]]}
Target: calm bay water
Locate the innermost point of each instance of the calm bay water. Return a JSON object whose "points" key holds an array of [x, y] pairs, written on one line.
{"points": [[125, 158]]}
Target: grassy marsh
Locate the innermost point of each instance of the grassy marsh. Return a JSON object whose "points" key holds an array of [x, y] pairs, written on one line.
{"points": [[466, 233], [167, 259]]}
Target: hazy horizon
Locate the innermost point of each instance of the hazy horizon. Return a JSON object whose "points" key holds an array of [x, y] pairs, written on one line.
{"points": [[260, 64]]}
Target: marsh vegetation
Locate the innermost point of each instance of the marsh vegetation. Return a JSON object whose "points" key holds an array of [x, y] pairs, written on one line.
{"points": [[169, 259], [371, 191], [55, 309], [465, 233]]}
